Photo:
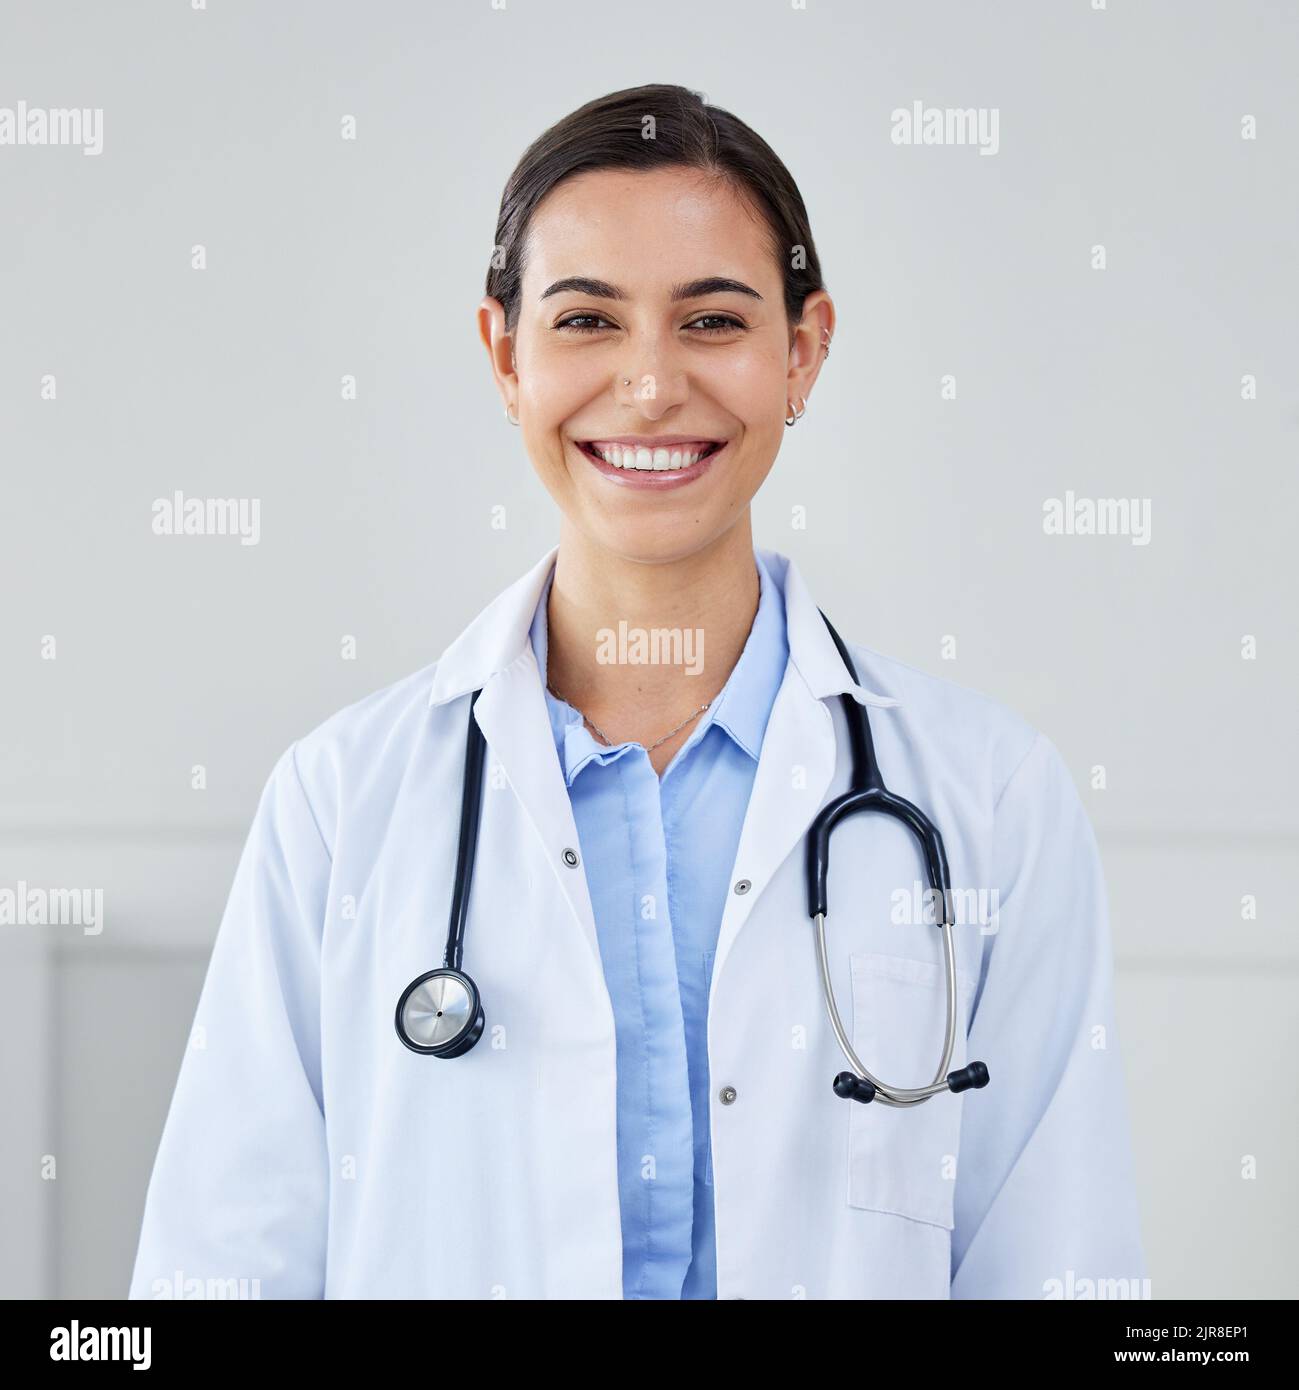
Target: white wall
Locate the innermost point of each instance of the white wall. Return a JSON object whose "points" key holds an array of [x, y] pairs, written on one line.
{"points": [[1119, 127]]}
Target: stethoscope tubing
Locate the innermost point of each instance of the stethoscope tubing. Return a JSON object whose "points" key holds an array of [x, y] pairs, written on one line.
{"points": [[885, 1094], [471, 809], [440, 1013], [867, 792]]}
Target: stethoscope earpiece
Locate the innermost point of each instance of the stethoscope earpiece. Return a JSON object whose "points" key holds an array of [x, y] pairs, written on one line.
{"points": [[971, 1078], [850, 1087]]}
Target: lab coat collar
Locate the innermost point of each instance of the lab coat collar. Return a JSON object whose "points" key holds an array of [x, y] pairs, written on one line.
{"points": [[811, 648], [499, 636]]}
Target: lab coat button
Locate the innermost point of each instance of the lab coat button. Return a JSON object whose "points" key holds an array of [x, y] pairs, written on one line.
{"points": [[743, 886], [727, 1095], [570, 858]]}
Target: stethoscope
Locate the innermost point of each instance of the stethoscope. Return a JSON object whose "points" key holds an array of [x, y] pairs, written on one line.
{"points": [[440, 1013]]}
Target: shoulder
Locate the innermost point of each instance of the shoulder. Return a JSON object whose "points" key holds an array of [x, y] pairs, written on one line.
{"points": [[360, 752], [960, 727], [980, 761], [938, 732], [363, 727]]}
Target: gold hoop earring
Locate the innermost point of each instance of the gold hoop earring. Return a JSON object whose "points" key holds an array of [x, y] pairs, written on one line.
{"points": [[797, 414], [510, 417]]}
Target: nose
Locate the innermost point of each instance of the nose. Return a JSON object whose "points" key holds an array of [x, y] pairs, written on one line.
{"points": [[654, 378]]}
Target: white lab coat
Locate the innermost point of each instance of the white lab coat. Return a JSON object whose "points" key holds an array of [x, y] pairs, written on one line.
{"points": [[308, 1153]]}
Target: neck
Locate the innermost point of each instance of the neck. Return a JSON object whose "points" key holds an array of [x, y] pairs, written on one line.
{"points": [[602, 604]]}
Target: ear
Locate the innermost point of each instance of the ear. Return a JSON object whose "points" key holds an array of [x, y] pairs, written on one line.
{"points": [[808, 349], [500, 350]]}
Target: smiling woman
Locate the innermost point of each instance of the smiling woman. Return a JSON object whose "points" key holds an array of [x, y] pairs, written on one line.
{"points": [[655, 316], [646, 1098]]}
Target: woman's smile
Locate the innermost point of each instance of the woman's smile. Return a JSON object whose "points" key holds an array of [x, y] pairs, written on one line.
{"points": [[653, 462]]}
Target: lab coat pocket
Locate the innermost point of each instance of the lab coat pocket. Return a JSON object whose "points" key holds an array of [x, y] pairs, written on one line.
{"points": [[904, 1160]]}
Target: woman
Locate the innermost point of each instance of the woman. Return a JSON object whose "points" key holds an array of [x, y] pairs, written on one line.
{"points": [[648, 1112]]}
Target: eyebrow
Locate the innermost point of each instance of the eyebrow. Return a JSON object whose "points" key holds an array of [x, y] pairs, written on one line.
{"points": [[690, 289]]}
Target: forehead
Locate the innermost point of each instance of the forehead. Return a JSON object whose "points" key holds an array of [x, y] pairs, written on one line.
{"points": [[646, 229]]}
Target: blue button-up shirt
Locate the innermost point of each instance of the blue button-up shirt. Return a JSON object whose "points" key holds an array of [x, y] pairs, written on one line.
{"points": [[658, 857]]}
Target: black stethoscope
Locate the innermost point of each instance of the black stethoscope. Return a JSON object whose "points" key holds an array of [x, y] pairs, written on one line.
{"points": [[440, 1013]]}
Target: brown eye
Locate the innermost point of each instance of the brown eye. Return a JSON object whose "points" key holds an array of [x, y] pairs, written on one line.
{"points": [[720, 323], [584, 323]]}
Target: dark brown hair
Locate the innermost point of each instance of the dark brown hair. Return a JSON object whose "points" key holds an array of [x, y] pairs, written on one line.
{"points": [[610, 133]]}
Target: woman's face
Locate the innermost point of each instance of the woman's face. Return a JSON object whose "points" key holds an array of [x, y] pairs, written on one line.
{"points": [[625, 349]]}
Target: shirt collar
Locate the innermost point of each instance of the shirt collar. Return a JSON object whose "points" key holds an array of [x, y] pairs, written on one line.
{"points": [[744, 705], [498, 638], [741, 709]]}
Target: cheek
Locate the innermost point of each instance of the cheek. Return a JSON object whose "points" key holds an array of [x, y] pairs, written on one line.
{"points": [[752, 384], [758, 390], [554, 383], [551, 393], [759, 458], [546, 400]]}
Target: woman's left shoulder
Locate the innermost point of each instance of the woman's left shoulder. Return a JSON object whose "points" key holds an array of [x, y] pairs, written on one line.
{"points": [[976, 735]]}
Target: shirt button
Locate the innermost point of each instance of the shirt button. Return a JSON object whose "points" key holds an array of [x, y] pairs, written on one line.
{"points": [[570, 858], [727, 1095], [743, 886]]}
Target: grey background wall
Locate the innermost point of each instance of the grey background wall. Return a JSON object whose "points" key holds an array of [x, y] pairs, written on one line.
{"points": [[1120, 127]]}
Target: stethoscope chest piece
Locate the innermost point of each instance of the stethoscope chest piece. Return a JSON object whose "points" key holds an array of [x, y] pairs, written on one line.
{"points": [[440, 1014]]}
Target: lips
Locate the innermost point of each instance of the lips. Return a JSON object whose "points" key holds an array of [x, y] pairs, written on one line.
{"points": [[662, 441], [651, 463], [663, 454]]}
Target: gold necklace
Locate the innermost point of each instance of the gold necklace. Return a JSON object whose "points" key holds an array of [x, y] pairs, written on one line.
{"points": [[609, 742]]}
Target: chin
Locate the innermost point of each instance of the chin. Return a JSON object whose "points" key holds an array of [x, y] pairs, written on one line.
{"points": [[664, 542]]}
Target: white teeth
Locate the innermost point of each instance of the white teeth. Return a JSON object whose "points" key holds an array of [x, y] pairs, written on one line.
{"points": [[644, 459]]}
